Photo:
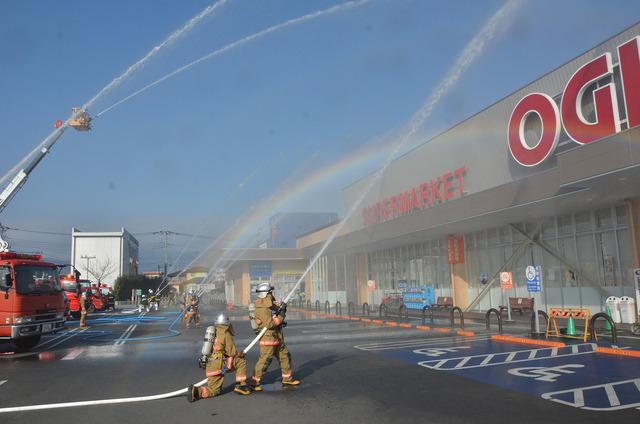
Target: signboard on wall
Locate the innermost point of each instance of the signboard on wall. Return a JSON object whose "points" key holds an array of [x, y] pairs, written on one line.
{"points": [[506, 280], [533, 278], [455, 250]]}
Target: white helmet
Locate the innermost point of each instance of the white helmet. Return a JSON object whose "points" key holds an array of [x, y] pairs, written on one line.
{"points": [[263, 289], [222, 319]]}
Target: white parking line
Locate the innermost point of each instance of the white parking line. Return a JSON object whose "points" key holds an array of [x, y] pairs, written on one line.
{"points": [[53, 339], [480, 361], [75, 352], [127, 333], [407, 344], [70, 336], [595, 401], [117, 342]]}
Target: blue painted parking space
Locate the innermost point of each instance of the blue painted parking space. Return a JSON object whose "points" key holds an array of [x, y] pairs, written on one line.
{"points": [[574, 375]]}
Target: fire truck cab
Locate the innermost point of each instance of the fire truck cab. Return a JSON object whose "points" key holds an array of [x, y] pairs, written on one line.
{"points": [[31, 299]]}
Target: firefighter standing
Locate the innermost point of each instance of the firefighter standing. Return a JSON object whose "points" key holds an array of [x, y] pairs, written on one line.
{"points": [[218, 351], [270, 315], [83, 310], [192, 313]]}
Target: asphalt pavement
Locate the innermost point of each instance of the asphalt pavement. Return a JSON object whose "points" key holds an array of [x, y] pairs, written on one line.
{"points": [[351, 372]]}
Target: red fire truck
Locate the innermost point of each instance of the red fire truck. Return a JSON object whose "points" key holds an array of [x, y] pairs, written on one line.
{"points": [[31, 299], [97, 301]]}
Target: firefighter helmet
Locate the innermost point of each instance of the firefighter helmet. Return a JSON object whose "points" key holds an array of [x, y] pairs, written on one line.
{"points": [[263, 289], [222, 319]]}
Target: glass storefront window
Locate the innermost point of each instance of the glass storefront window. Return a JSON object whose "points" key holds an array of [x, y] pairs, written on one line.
{"points": [[583, 222], [565, 225], [603, 218]]}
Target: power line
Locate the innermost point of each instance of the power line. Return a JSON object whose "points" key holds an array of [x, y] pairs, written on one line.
{"points": [[173, 233], [37, 231]]}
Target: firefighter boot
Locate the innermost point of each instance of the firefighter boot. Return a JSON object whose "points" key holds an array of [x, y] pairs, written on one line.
{"points": [[290, 381], [256, 387], [192, 393], [242, 389]]}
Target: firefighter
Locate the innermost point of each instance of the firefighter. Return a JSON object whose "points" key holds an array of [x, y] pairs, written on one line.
{"points": [[193, 314], [144, 304], [83, 310], [219, 351], [270, 314]]}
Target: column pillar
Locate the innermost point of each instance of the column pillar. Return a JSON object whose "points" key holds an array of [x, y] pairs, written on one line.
{"points": [[633, 217], [362, 276]]}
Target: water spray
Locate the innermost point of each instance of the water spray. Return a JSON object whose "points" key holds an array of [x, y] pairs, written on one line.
{"points": [[238, 43], [467, 57], [44, 147]]}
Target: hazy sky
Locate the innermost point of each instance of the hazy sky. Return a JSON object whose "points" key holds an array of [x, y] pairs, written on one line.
{"points": [[209, 143]]}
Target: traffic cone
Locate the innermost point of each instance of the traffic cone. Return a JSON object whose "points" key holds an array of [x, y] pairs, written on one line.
{"points": [[571, 327], [607, 326]]}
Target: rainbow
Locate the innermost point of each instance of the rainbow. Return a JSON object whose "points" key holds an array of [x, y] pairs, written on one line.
{"points": [[287, 193]]}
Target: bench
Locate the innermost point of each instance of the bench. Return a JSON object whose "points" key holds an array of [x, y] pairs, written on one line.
{"points": [[443, 302], [519, 304]]}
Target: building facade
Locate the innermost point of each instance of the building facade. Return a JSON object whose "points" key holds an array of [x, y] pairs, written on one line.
{"points": [[547, 177], [104, 256]]}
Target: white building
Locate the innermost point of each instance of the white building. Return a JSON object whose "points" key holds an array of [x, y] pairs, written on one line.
{"points": [[104, 256]]}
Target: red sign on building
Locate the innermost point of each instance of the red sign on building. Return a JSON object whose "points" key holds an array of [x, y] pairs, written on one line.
{"points": [[455, 249]]}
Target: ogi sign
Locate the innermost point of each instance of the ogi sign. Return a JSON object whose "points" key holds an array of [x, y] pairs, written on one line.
{"points": [[570, 115]]}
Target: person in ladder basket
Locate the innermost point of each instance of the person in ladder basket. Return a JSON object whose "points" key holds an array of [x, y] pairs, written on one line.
{"points": [[270, 314]]}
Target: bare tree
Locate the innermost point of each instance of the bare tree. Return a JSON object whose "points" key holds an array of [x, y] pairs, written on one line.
{"points": [[102, 270]]}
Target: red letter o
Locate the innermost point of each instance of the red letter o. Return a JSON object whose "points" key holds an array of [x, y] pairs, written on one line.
{"points": [[547, 111]]}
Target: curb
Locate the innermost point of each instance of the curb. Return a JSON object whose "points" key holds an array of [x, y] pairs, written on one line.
{"points": [[618, 352], [523, 340]]}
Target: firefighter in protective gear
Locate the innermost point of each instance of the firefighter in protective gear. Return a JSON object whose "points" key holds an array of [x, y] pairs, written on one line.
{"points": [[219, 353], [192, 312], [83, 310], [271, 315]]}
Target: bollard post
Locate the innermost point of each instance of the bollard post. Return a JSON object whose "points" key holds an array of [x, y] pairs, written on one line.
{"points": [[424, 313], [535, 323], [351, 309], [365, 307], [460, 315], [327, 307], [498, 315], [338, 307], [309, 304], [317, 306], [602, 315]]}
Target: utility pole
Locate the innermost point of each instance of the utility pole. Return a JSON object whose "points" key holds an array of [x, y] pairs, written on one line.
{"points": [[88, 258], [165, 234]]}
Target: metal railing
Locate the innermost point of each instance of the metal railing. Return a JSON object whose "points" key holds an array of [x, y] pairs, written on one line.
{"points": [[602, 315], [460, 317], [488, 319]]}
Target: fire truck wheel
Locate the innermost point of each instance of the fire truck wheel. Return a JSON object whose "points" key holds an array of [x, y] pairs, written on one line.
{"points": [[26, 343]]}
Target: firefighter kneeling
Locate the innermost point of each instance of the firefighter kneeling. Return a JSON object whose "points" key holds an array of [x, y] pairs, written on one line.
{"points": [[219, 351], [271, 315]]}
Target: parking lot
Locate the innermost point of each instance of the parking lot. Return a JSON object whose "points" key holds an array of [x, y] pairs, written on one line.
{"points": [[351, 371]]}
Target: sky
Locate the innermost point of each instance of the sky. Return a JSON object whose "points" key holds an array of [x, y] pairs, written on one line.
{"points": [[197, 151]]}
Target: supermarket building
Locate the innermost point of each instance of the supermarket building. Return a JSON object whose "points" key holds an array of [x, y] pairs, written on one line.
{"points": [[548, 176]]}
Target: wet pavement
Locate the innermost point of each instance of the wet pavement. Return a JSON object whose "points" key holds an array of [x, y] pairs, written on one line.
{"points": [[350, 371]]}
